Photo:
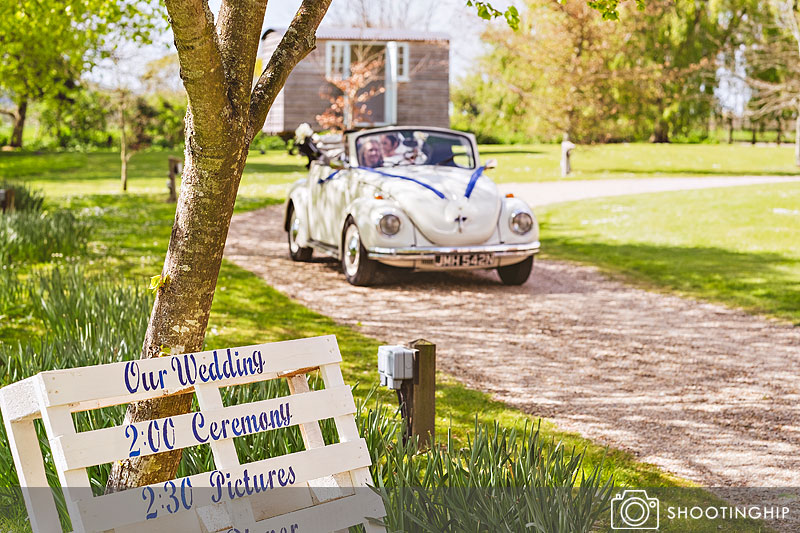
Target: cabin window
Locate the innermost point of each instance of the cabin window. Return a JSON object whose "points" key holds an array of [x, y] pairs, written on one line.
{"points": [[337, 60], [403, 61]]}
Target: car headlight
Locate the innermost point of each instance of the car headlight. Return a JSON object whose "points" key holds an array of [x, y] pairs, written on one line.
{"points": [[389, 224], [520, 222]]}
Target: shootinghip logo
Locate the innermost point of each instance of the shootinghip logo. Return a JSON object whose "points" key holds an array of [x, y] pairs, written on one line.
{"points": [[633, 509]]}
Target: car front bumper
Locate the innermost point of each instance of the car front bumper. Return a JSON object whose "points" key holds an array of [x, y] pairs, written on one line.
{"points": [[424, 257]]}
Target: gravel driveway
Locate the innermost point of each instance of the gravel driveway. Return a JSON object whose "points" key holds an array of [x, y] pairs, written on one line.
{"points": [[698, 389]]}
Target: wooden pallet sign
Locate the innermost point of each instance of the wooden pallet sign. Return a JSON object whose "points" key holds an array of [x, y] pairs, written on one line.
{"points": [[321, 488]]}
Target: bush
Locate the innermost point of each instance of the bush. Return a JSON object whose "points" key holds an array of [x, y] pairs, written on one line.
{"points": [[32, 237], [503, 480], [264, 142], [25, 198]]}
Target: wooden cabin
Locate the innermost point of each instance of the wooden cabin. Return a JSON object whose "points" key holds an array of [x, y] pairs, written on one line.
{"points": [[414, 76]]}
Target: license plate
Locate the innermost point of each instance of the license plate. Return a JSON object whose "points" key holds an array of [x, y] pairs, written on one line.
{"points": [[464, 260]]}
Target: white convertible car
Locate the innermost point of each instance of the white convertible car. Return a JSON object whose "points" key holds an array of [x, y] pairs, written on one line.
{"points": [[408, 197]]}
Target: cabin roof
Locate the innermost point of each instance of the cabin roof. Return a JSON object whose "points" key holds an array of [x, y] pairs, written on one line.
{"points": [[369, 34]]}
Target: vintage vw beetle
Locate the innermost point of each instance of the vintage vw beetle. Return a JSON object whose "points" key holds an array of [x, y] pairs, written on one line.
{"points": [[413, 197]]}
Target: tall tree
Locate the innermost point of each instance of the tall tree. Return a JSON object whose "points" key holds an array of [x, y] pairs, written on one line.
{"points": [[217, 60], [225, 111], [772, 66], [47, 44], [649, 75]]}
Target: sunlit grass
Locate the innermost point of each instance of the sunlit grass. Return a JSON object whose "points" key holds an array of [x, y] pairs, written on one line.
{"points": [[739, 245], [524, 163], [271, 174]]}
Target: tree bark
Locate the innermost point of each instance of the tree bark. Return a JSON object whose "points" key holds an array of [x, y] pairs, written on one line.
{"points": [[797, 138], [19, 123], [660, 130], [730, 130], [123, 145], [222, 118]]}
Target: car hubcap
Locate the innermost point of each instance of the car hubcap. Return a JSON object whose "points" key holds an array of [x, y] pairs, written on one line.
{"points": [[352, 250], [293, 231]]}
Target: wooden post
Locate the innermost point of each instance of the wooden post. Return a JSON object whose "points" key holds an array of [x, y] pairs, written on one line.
{"points": [[423, 397], [7, 199], [175, 169]]}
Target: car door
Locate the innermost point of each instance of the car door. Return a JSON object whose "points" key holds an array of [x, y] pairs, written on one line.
{"points": [[328, 198]]}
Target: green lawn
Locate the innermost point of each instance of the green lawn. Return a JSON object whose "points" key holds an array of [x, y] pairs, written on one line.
{"points": [[73, 173], [523, 163], [739, 245], [270, 174]]}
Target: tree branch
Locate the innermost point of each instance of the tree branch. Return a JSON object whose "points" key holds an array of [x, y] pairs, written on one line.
{"points": [[8, 112], [201, 66], [296, 44], [238, 29]]}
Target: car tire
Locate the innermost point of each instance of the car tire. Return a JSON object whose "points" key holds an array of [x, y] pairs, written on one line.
{"points": [[296, 252], [516, 274], [357, 267]]}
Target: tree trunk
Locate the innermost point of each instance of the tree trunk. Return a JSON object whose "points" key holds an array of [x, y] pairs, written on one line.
{"points": [[797, 138], [123, 147], [19, 123], [660, 131], [780, 131], [730, 130], [217, 63], [182, 307]]}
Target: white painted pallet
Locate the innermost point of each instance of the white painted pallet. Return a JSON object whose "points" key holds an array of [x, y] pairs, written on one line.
{"points": [[322, 488]]}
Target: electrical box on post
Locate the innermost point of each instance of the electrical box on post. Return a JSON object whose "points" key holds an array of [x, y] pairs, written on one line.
{"points": [[395, 364]]}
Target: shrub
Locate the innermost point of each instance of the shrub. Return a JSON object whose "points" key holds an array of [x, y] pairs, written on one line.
{"points": [[503, 480], [264, 142], [31, 237], [25, 198]]}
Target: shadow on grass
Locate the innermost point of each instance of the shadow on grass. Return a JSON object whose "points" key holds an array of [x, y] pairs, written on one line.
{"points": [[64, 167], [506, 151], [685, 172], [269, 168], [766, 283]]}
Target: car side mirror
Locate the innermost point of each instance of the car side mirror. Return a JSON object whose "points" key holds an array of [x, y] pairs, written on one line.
{"points": [[492, 163]]}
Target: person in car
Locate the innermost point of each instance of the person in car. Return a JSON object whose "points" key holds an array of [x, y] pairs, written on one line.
{"points": [[390, 143], [370, 154]]}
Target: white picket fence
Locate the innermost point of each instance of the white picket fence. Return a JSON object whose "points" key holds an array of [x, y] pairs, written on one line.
{"points": [[309, 490]]}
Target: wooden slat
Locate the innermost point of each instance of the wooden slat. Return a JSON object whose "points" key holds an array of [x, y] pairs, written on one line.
{"points": [[330, 516], [312, 438], [29, 463], [74, 483], [101, 383], [20, 400], [128, 507], [107, 445], [348, 432], [225, 458]]}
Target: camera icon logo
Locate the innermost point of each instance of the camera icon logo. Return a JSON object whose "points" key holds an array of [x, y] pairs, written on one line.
{"points": [[633, 509]]}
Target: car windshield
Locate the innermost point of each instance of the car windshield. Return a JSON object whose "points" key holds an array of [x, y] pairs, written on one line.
{"points": [[414, 147]]}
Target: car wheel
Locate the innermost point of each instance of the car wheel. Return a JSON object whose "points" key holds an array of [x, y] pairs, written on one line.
{"points": [[296, 252], [357, 267], [516, 274]]}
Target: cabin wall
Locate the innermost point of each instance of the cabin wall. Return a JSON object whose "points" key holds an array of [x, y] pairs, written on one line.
{"points": [[421, 101], [275, 118], [306, 91], [425, 99]]}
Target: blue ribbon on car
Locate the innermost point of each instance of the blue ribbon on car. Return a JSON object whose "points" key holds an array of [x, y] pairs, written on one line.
{"points": [[436, 191], [473, 180]]}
